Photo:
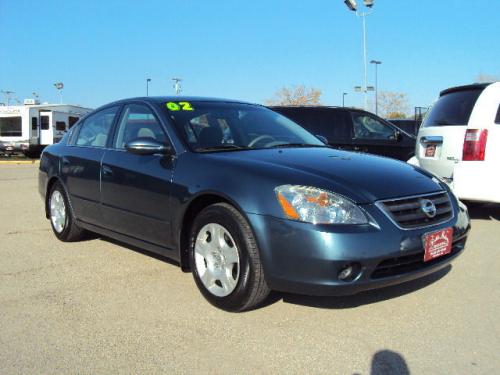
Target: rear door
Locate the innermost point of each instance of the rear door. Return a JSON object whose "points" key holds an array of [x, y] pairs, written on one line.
{"points": [[440, 138], [81, 164]]}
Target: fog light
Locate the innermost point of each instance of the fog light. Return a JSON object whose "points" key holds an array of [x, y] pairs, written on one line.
{"points": [[349, 272]]}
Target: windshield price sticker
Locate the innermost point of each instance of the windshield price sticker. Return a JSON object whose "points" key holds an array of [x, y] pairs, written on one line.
{"points": [[179, 106]]}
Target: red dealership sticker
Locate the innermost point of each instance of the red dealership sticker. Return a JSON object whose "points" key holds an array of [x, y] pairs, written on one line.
{"points": [[437, 244]]}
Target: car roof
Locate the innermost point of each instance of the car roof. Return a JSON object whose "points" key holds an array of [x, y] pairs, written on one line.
{"points": [[310, 106], [314, 107], [161, 99], [474, 86]]}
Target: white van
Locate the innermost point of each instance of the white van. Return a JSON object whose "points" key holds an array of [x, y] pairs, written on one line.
{"points": [[459, 141]]}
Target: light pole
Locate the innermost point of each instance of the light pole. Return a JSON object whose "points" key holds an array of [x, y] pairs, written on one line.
{"points": [[343, 100], [59, 86], [7, 94], [351, 4], [147, 86], [376, 63], [177, 85]]}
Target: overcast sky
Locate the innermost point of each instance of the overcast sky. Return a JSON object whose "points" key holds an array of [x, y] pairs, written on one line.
{"points": [[105, 50]]}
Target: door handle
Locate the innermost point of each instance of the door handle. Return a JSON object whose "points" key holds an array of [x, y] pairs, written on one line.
{"points": [[107, 171]]}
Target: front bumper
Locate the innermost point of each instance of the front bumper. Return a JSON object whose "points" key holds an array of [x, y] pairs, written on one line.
{"points": [[306, 258]]}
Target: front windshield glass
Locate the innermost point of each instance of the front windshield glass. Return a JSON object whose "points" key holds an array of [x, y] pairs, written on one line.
{"points": [[213, 126]]}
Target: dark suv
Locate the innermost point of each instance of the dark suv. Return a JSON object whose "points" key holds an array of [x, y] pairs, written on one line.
{"points": [[353, 129]]}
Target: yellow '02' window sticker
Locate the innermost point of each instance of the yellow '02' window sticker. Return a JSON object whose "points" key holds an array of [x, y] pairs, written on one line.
{"points": [[179, 106]]}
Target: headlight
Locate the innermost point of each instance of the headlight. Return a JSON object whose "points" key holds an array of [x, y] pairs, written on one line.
{"points": [[317, 206]]}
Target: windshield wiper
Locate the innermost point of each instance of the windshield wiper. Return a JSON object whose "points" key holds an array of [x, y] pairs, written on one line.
{"points": [[226, 147], [285, 145]]}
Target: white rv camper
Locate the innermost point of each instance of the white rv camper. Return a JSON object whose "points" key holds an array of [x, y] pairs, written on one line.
{"points": [[30, 127]]}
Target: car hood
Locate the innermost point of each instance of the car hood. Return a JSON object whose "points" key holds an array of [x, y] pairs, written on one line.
{"points": [[362, 177]]}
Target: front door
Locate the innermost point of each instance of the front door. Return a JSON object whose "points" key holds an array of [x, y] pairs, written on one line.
{"points": [[136, 188], [374, 136]]}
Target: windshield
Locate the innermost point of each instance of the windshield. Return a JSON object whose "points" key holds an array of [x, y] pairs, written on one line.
{"points": [[11, 127], [212, 126]]}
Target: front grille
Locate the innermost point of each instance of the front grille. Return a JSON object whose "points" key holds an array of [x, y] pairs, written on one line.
{"points": [[407, 213], [409, 263]]}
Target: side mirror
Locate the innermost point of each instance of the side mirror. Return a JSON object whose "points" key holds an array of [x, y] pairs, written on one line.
{"points": [[147, 146], [398, 136], [322, 138]]}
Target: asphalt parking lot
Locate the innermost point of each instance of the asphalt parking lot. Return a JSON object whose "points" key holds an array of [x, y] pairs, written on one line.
{"points": [[101, 307]]}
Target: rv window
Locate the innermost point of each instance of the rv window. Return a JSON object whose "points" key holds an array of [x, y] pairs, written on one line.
{"points": [[11, 127], [34, 123], [72, 121], [45, 122], [60, 125]]}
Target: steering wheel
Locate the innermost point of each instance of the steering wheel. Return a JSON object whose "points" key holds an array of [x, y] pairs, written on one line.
{"points": [[260, 138]]}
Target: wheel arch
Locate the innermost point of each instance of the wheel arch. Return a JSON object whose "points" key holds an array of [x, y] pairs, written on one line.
{"points": [[50, 183], [195, 206]]}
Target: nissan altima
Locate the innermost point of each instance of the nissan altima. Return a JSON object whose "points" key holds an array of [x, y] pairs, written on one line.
{"points": [[247, 200]]}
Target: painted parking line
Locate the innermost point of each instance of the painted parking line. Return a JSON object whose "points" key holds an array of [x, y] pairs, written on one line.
{"points": [[19, 161]]}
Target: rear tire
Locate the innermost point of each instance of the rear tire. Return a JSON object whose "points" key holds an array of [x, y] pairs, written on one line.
{"points": [[61, 217], [225, 260]]}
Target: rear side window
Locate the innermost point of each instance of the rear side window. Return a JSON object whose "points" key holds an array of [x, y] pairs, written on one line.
{"points": [[330, 123], [95, 129], [453, 108], [497, 118]]}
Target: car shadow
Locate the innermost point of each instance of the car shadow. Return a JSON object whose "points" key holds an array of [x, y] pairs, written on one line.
{"points": [[485, 211], [363, 298], [339, 302], [388, 362]]}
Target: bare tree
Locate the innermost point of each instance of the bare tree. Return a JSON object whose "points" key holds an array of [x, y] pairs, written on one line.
{"points": [[296, 95], [484, 78], [393, 104]]}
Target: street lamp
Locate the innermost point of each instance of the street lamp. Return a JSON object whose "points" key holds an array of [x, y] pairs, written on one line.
{"points": [[147, 86], [177, 85], [343, 100], [59, 86], [376, 63], [7, 94], [351, 4]]}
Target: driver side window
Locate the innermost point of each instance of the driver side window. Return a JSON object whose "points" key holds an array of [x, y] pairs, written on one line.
{"points": [[138, 121], [367, 127]]}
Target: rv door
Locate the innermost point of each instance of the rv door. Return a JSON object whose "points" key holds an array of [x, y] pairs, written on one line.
{"points": [[46, 129]]}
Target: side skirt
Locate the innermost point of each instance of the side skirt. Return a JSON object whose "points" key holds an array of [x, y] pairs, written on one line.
{"points": [[166, 252]]}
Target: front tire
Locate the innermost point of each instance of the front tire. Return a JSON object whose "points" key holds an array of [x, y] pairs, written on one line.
{"points": [[61, 217], [225, 260]]}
